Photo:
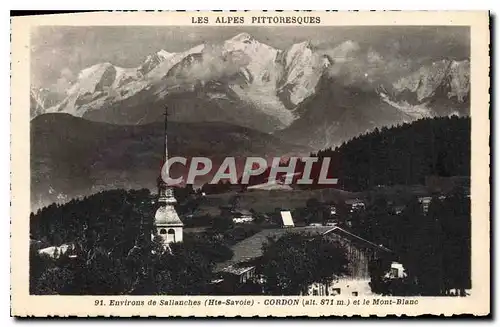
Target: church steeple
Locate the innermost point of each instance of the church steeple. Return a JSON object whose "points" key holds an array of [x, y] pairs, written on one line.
{"points": [[165, 192], [168, 225]]}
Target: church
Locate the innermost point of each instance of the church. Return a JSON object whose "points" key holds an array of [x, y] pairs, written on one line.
{"points": [[167, 223]]}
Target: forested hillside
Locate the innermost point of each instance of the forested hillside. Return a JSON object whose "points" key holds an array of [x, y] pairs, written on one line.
{"points": [[405, 154], [111, 252], [434, 247], [401, 155]]}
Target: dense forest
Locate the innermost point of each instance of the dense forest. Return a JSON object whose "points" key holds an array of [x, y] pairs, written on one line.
{"points": [[404, 154], [400, 155], [111, 219], [111, 249], [433, 246]]}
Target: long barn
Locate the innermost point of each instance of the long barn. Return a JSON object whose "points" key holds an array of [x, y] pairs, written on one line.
{"points": [[360, 252]]}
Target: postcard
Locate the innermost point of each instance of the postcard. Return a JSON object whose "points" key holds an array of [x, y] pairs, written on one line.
{"points": [[253, 164]]}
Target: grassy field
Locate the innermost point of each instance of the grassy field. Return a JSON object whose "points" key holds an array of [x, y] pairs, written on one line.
{"points": [[267, 201]]}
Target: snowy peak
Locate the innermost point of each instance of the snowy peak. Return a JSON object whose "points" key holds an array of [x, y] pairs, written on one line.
{"points": [[152, 61], [94, 83], [95, 78], [247, 44], [43, 98], [439, 88], [242, 37], [168, 60], [245, 82], [454, 76], [302, 70], [37, 101], [460, 79], [257, 58], [164, 54], [252, 73], [302, 46], [241, 60]]}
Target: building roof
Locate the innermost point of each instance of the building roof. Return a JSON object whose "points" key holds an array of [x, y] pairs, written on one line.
{"points": [[237, 269], [353, 201], [242, 212], [286, 218], [167, 216], [340, 231], [251, 248]]}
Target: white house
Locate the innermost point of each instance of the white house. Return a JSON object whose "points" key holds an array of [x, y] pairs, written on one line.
{"points": [[56, 251], [355, 204], [286, 218], [425, 201], [359, 254], [397, 271]]}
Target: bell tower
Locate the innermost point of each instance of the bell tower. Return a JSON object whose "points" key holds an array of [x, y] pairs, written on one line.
{"points": [[167, 222]]}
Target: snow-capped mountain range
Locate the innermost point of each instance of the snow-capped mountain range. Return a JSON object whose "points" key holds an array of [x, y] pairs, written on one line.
{"points": [[43, 98], [248, 83], [440, 88], [265, 80]]}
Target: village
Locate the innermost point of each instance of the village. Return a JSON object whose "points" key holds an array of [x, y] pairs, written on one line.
{"points": [[330, 214], [245, 225]]}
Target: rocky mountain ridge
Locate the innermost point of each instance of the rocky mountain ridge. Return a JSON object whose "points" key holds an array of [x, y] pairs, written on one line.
{"points": [[245, 82]]}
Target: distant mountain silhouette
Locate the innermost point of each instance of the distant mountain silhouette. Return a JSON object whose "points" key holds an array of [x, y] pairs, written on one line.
{"points": [[72, 156]]}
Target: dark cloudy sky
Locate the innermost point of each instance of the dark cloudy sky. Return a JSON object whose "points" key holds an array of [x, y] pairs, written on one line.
{"points": [[59, 53]]}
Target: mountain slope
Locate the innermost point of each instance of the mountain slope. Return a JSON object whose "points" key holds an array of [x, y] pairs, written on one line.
{"points": [[93, 87], [104, 84], [302, 71], [407, 154], [41, 99], [305, 94], [442, 87], [336, 113], [154, 60], [71, 156], [250, 75]]}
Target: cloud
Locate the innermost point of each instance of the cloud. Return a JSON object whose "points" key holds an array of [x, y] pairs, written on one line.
{"points": [[374, 57], [343, 52], [363, 66], [64, 81], [214, 63], [76, 47]]}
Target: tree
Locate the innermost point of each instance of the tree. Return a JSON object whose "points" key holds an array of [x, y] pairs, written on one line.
{"points": [[222, 223], [434, 249], [403, 154], [55, 281], [295, 261], [210, 247], [453, 221], [249, 288], [259, 218], [191, 271], [234, 200], [377, 269], [315, 211], [111, 219]]}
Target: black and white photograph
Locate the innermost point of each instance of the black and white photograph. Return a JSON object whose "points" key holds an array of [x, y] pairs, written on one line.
{"points": [[264, 156]]}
